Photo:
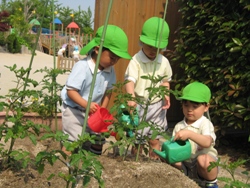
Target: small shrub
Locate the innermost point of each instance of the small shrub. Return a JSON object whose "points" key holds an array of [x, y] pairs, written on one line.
{"points": [[231, 168], [12, 44], [2, 39]]}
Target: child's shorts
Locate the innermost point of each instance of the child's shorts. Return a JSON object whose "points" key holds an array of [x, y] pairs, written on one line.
{"points": [[156, 115], [72, 124]]}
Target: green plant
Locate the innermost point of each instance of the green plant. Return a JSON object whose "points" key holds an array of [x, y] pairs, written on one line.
{"points": [[122, 128], [81, 164], [230, 168], [12, 44], [2, 39], [20, 128], [49, 97], [213, 47]]}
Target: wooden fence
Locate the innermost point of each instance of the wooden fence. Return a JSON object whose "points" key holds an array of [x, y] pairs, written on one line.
{"points": [[65, 63]]}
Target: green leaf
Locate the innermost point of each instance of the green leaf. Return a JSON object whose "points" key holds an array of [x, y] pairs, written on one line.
{"points": [[235, 49], [50, 176], [33, 138], [40, 168], [237, 41]]}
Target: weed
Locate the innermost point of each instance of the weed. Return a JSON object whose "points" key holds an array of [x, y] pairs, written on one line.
{"points": [[230, 168]]}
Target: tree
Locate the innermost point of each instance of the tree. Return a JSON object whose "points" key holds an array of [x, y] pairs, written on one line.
{"points": [[214, 48], [4, 26]]}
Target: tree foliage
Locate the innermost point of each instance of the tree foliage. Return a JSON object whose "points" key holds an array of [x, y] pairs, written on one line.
{"points": [[4, 26], [23, 11], [214, 48]]}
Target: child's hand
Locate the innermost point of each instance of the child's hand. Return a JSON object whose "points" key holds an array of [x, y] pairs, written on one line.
{"points": [[132, 104], [182, 135], [93, 107], [167, 103]]}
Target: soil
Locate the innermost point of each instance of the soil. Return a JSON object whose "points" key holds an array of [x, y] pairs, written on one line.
{"points": [[116, 172]]}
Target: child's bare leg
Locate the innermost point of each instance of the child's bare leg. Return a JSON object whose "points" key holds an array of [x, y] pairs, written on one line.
{"points": [[65, 151], [177, 165], [203, 161], [154, 144]]}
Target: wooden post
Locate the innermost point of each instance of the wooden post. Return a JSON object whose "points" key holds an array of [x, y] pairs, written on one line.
{"points": [[58, 62]]}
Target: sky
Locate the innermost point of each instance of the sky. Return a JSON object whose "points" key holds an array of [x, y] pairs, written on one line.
{"points": [[85, 4], [75, 3]]}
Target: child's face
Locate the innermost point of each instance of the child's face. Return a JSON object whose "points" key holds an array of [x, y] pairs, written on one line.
{"points": [[193, 111], [149, 51], [107, 59]]}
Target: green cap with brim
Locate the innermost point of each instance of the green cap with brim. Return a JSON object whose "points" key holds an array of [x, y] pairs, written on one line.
{"points": [[196, 92], [115, 40], [152, 32]]}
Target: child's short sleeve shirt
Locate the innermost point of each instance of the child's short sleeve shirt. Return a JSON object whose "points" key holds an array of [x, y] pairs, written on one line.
{"points": [[81, 78], [140, 65], [202, 126]]}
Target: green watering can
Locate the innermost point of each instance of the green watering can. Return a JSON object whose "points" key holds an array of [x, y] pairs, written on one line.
{"points": [[128, 118], [175, 151]]}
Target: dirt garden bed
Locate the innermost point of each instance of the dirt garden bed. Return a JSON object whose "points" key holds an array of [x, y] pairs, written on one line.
{"points": [[116, 173]]}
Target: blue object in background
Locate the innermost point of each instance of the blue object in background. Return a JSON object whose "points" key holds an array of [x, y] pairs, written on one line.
{"points": [[44, 30]]}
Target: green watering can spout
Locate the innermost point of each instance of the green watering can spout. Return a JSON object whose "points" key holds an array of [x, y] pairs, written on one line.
{"points": [[162, 154]]}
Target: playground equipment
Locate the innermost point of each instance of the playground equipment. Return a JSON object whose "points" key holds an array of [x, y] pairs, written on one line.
{"points": [[34, 22], [67, 44], [73, 31]]}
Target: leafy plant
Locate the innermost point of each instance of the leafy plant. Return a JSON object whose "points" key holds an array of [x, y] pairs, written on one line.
{"points": [[213, 47], [12, 44], [230, 168], [2, 39], [15, 126], [81, 164], [128, 133]]}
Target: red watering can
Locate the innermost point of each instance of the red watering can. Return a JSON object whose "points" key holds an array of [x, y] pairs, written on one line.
{"points": [[100, 120]]}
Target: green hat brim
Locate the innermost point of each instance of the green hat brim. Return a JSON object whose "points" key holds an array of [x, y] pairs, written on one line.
{"points": [[121, 54], [92, 44], [153, 42], [88, 47]]}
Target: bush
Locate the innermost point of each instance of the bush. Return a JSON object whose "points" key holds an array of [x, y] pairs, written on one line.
{"points": [[214, 48], [2, 39], [12, 44]]}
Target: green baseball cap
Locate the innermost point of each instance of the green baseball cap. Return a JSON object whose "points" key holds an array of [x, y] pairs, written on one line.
{"points": [[115, 40], [196, 92], [151, 32]]}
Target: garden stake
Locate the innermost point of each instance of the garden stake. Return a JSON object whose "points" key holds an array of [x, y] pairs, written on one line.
{"points": [[96, 67], [34, 48], [54, 63]]}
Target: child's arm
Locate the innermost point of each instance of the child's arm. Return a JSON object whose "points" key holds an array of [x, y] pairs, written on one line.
{"points": [[106, 99], [130, 86], [204, 141], [167, 98], [77, 98]]}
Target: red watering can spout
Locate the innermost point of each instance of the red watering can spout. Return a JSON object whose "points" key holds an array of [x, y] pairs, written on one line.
{"points": [[100, 120]]}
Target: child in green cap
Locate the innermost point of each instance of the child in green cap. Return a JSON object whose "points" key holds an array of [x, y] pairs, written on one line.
{"points": [[200, 132], [154, 35], [76, 91]]}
